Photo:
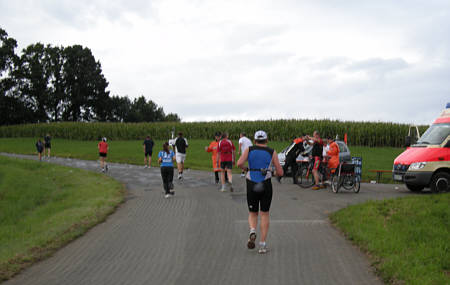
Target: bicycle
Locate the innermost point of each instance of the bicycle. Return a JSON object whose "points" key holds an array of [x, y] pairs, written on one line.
{"points": [[305, 176], [345, 177]]}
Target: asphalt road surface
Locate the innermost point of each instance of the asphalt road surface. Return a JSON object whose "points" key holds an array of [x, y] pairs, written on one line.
{"points": [[200, 236]]}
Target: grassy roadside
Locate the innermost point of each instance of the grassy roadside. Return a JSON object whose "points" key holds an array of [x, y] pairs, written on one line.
{"points": [[407, 239], [44, 206], [132, 152]]}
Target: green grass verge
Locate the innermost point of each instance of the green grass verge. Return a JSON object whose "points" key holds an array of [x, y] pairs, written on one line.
{"points": [[132, 152], [407, 239], [44, 206]]}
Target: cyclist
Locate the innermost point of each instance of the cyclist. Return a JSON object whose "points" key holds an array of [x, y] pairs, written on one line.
{"points": [[316, 154], [259, 186]]}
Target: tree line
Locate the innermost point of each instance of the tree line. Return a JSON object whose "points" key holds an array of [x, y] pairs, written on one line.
{"points": [[50, 84]]}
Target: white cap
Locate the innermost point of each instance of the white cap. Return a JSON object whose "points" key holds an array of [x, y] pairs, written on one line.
{"points": [[104, 139], [260, 135]]}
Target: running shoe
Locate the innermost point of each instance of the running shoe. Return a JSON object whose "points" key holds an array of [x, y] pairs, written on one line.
{"points": [[242, 174], [103, 170], [145, 166], [167, 195], [316, 187], [223, 189], [251, 240], [262, 249]]}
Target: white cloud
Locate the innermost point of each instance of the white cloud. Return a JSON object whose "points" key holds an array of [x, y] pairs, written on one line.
{"points": [[206, 60]]}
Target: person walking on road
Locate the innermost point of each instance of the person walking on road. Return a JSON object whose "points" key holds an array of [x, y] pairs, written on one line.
{"points": [[47, 145], [244, 143], [333, 155], [227, 157], [166, 158], [40, 149], [148, 151], [259, 186], [180, 153], [103, 152], [214, 148]]}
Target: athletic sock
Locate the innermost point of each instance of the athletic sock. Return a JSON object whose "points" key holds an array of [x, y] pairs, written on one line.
{"points": [[262, 243], [252, 230]]}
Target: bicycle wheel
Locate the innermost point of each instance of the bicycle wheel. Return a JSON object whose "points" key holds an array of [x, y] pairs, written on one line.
{"points": [[335, 183], [305, 177], [356, 185], [349, 182]]}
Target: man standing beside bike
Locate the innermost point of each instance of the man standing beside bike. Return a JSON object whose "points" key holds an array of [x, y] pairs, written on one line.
{"points": [[291, 158], [316, 154]]}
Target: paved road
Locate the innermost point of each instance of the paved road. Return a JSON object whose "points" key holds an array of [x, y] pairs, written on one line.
{"points": [[199, 237]]}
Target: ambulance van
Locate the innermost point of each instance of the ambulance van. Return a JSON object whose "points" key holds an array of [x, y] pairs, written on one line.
{"points": [[426, 164]]}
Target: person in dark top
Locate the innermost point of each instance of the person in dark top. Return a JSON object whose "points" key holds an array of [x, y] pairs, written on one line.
{"points": [[316, 153], [180, 153], [148, 151], [39, 148], [291, 158], [47, 144], [259, 186]]}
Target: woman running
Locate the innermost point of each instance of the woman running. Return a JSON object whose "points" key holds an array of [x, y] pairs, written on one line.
{"points": [[166, 157]]}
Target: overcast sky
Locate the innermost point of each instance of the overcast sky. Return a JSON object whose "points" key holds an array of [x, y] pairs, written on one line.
{"points": [[353, 60]]}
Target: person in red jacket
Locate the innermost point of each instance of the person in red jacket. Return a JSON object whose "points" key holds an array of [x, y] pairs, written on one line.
{"points": [[227, 157], [103, 152]]}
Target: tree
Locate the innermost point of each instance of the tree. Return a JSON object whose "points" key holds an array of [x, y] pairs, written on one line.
{"points": [[172, 117], [85, 86]]}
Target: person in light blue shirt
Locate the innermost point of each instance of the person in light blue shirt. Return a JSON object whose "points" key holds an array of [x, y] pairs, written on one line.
{"points": [[166, 157]]}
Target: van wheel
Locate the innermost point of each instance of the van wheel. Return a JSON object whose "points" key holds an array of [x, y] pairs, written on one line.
{"points": [[414, 188], [440, 182]]}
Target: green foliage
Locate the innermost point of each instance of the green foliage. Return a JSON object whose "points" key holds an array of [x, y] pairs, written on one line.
{"points": [[407, 238], [131, 151], [44, 206], [370, 134]]}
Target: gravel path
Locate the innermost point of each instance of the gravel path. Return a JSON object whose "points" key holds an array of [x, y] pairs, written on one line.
{"points": [[200, 235]]}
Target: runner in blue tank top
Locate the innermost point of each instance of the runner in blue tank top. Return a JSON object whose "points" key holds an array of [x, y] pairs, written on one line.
{"points": [[259, 186]]}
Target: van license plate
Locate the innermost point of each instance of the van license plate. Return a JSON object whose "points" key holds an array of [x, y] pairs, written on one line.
{"points": [[398, 177]]}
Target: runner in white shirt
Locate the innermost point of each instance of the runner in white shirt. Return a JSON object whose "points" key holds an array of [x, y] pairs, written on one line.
{"points": [[244, 143]]}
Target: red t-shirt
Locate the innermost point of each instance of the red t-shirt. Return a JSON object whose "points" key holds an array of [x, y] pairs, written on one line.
{"points": [[102, 147], [226, 149]]}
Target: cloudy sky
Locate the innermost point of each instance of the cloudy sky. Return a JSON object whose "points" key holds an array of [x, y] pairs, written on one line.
{"points": [[220, 60]]}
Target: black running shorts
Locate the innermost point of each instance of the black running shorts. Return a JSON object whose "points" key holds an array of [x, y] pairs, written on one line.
{"points": [[148, 153], [102, 154], [48, 145], [226, 165], [257, 200]]}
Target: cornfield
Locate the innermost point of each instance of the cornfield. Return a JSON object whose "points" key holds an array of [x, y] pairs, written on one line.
{"points": [[372, 134]]}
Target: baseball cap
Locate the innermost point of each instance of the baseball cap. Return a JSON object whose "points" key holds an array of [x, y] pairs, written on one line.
{"points": [[260, 135]]}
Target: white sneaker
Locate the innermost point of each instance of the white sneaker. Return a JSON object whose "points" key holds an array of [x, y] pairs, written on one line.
{"points": [[179, 176], [262, 249], [145, 166], [167, 196], [223, 189], [242, 174]]}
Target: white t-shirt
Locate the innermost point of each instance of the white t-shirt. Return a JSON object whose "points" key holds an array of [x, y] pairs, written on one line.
{"points": [[325, 150], [245, 143]]}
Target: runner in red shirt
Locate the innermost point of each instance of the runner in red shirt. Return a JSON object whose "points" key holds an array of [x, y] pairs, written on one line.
{"points": [[103, 151], [227, 158]]}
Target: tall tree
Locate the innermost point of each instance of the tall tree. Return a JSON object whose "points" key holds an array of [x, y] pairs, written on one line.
{"points": [[32, 78], [85, 86]]}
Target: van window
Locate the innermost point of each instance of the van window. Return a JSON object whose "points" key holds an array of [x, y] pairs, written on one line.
{"points": [[435, 134]]}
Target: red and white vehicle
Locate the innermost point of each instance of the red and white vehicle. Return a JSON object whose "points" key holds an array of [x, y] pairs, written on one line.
{"points": [[427, 162]]}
